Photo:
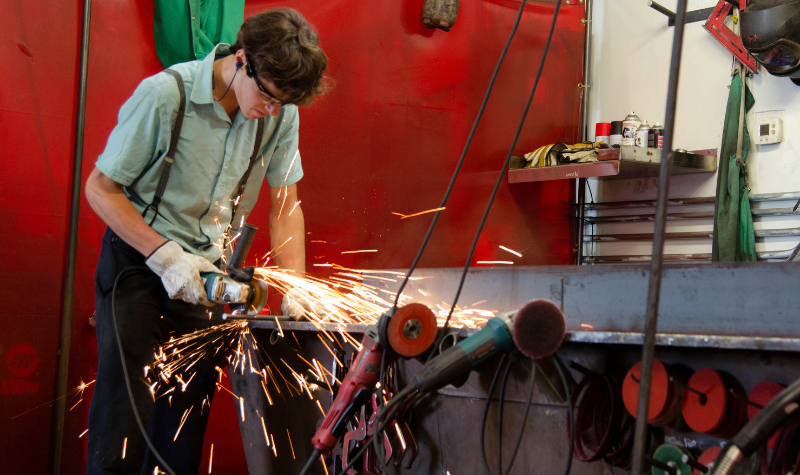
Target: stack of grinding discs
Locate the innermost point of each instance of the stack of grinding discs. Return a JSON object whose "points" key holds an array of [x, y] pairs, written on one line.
{"points": [[717, 412], [665, 396], [603, 428], [762, 394], [673, 456]]}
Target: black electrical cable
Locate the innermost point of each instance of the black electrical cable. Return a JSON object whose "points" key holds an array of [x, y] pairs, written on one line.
{"points": [[463, 156], [502, 170], [486, 413], [523, 421], [500, 406], [570, 415], [125, 366]]}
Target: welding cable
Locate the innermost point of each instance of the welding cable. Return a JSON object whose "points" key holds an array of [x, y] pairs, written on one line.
{"points": [[463, 156], [500, 175], [125, 365]]}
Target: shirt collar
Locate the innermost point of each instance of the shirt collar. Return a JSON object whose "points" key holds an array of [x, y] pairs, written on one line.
{"points": [[203, 92]]}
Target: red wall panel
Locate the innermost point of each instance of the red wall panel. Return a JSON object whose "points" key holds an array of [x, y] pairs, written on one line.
{"points": [[385, 139]]}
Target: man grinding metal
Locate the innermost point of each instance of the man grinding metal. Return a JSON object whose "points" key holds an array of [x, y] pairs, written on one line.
{"points": [[239, 102]]}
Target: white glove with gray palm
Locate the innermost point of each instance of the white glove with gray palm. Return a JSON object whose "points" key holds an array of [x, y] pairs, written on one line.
{"points": [[180, 272], [298, 302]]}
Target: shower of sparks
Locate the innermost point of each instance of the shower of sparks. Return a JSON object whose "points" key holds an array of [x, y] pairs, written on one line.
{"points": [[291, 446], [359, 251], [77, 392], [83, 433], [210, 457], [496, 262], [404, 216], [124, 447], [511, 251]]}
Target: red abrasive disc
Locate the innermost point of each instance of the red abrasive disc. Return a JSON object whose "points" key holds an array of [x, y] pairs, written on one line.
{"points": [[412, 330], [709, 416], [659, 390], [672, 407], [762, 394], [707, 458]]}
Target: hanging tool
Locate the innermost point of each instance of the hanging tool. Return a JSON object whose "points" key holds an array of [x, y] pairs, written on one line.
{"points": [[412, 330], [732, 42], [537, 330], [244, 293]]}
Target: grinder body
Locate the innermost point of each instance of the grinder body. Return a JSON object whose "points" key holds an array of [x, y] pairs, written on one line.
{"points": [[493, 339], [354, 392]]}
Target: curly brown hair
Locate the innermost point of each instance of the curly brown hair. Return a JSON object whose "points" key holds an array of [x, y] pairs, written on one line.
{"points": [[283, 47]]}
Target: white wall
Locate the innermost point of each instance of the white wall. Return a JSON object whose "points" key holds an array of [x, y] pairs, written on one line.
{"points": [[630, 67]]}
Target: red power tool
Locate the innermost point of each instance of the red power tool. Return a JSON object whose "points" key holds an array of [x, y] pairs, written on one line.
{"points": [[405, 332]]}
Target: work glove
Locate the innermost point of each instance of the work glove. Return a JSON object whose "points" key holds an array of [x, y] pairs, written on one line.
{"points": [[180, 272], [296, 302]]}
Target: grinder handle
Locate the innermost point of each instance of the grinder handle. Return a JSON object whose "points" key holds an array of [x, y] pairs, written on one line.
{"points": [[248, 234]]}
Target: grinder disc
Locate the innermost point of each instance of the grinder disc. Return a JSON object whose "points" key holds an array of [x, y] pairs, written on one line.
{"points": [[412, 330], [710, 416], [659, 390]]}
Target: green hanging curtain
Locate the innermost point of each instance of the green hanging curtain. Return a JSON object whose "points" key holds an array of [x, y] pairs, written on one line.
{"points": [[186, 30], [734, 239]]}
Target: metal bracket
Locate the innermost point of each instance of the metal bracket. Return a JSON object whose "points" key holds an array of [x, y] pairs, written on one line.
{"points": [[691, 17]]}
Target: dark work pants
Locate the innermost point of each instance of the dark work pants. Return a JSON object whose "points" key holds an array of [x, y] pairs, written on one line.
{"points": [[145, 316]]}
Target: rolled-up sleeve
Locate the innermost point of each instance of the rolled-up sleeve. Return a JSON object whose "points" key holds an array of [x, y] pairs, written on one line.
{"points": [[285, 167], [139, 136]]}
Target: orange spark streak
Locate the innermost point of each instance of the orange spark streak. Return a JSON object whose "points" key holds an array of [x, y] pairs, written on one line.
{"points": [[266, 392], [290, 442], [320, 409], [210, 457], [241, 406], [362, 250], [422, 292], [586, 325], [322, 459], [404, 216], [496, 262], [329, 350], [293, 207], [284, 200], [512, 252], [83, 433], [124, 447], [274, 449], [183, 420], [280, 330], [264, 426], [291, 165], [76, 404], [324, 242]]}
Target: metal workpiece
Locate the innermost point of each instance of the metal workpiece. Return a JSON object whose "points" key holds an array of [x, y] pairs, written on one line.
{"points": [[757, 198], [760, 233], [697, 257], [636, 218]]}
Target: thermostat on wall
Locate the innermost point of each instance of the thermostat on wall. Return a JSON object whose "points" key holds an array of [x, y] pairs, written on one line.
{"points": [[770, 130]]}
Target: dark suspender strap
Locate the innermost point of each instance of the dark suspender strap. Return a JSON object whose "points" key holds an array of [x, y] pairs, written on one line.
{"points": [[253, 157], [173, 146]]}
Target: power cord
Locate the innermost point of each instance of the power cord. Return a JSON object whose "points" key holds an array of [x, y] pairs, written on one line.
{"points": [[460, 160], [125, 366]]}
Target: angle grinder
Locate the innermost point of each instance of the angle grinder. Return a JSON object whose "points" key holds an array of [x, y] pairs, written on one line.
{"points": [[244, 293]]}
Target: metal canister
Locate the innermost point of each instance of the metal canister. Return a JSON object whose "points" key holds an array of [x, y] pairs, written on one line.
{"points": [[615, 139], [655, 138], [629, 126], [641, 135]]}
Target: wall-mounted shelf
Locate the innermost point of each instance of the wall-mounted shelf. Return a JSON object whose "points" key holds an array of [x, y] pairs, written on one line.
{"points": [[625, 162]]}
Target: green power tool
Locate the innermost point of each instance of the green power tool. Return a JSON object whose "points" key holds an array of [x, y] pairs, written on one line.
{"points": [[239, 288]]}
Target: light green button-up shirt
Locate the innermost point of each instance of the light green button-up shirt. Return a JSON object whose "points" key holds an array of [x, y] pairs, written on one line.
{"points": [[211, 157]]}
